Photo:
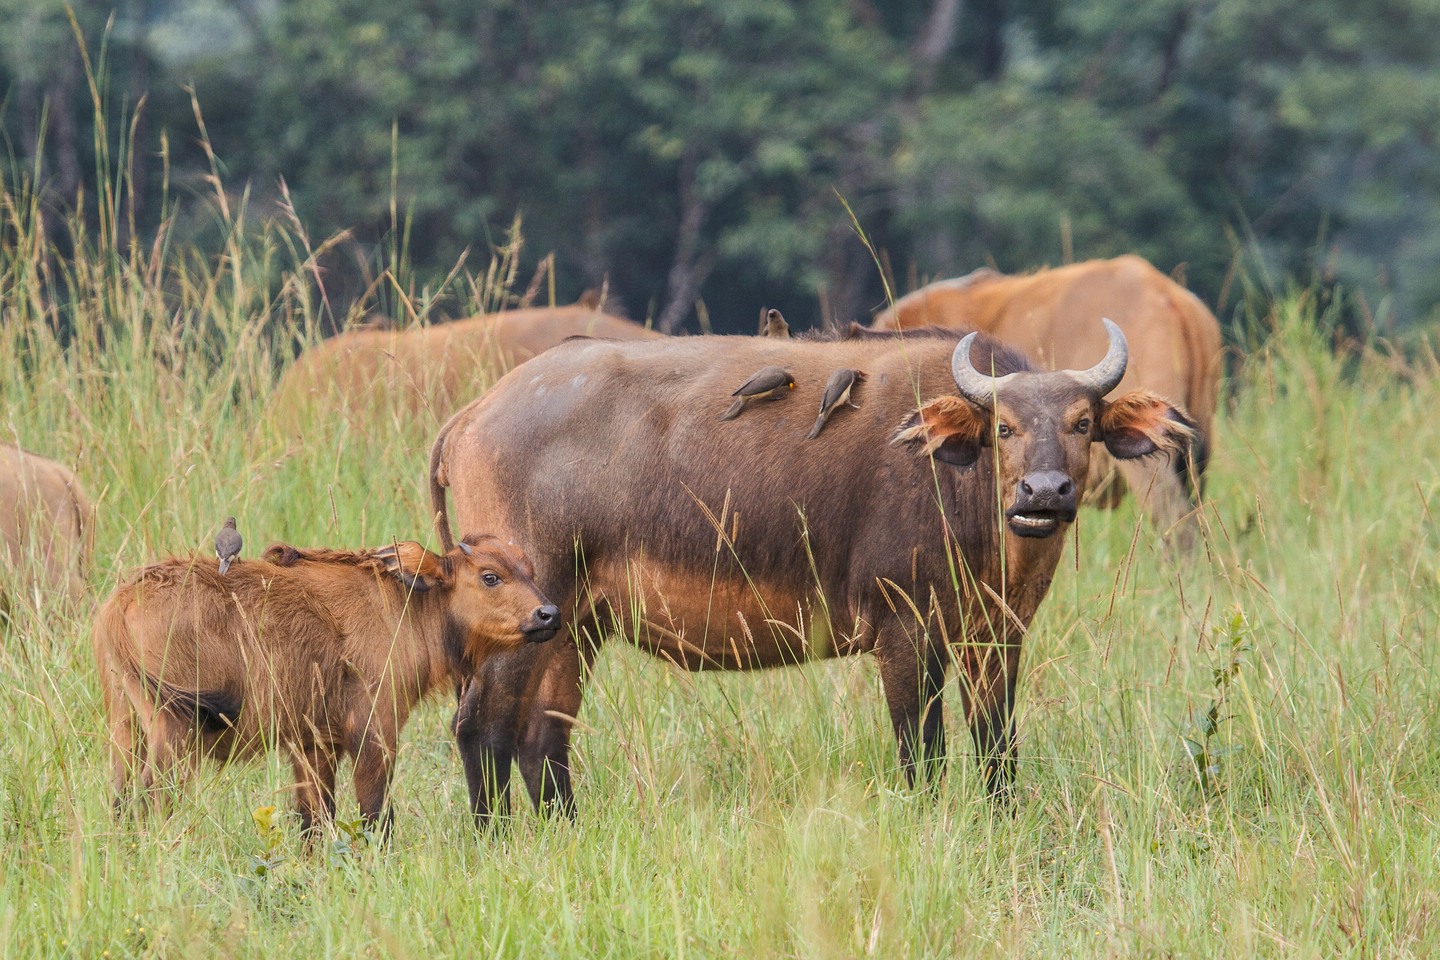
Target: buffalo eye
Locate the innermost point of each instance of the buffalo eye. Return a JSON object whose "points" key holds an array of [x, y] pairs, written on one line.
{"points": [[1004, 431], [489, 579], [1083, 426]]}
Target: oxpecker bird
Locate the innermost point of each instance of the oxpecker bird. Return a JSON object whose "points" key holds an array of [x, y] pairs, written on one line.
{"points": [[228, 545], [773, 325], [837, 394], [767, 383]]}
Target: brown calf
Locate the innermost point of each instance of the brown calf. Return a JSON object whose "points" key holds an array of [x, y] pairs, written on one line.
{"points": [[322, 653]]}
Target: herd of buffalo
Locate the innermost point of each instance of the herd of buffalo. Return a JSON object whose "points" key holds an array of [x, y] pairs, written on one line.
{"points": [[723, 502]]}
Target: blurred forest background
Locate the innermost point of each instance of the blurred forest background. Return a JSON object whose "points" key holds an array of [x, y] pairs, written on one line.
{"points": [[696, 151]]}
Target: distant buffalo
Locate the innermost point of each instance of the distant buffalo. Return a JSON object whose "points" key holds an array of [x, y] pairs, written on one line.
{"points": [[320, 653], [430, 369], [924, 524], [1052, 315], [44, 525]]}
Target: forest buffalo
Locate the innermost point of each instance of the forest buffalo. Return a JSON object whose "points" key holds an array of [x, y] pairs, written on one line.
{"points": [[429, 369], [321, 653], [1174, 351], [921, 526], [44, 525]]}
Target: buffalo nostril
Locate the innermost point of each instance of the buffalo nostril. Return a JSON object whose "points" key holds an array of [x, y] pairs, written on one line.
{"points": [[1066, 487], [1026, 489], [547, 613]]}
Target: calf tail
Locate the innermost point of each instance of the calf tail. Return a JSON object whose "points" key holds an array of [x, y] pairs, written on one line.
{"points": [[213, 711]]}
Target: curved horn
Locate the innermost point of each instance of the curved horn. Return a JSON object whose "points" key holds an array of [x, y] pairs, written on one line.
{"points": [[974, 386], [1105, 375], [465, 548]]}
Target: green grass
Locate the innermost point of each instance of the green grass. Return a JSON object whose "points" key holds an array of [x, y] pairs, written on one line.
{"points": [[750, 815]]}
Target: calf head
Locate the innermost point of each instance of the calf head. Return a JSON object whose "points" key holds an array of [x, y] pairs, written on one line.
{"points": [[1039, 428], [488, 588]]}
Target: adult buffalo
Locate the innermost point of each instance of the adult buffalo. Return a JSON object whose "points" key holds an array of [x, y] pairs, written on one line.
{"points": [[431, 368], [919, 525], [44, 524], [1174, 350]]}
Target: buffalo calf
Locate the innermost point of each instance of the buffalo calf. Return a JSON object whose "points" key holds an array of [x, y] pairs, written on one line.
{"points": [[321, 653]]}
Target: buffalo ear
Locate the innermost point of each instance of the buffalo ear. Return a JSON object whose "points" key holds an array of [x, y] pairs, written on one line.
{"points": [[1141, 423], [950, 429], [413, 565]]}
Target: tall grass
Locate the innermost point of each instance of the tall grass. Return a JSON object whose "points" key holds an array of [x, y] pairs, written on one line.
{"points": [[1231, 753]]}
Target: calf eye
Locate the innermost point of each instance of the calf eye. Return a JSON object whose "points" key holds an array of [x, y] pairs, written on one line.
{"points": [[489, 579], [1004, 431], [1083, 426]]}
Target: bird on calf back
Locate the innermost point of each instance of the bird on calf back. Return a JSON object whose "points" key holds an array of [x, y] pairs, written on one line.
{"points": [[228, 544]]}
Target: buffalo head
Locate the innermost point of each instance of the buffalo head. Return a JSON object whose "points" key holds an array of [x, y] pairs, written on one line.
{"points": [[1039, 428]]}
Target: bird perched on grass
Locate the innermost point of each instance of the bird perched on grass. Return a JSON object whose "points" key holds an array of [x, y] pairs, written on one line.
{"points": [[773, 325], [837, 394], [228, 544], [767, 383]]}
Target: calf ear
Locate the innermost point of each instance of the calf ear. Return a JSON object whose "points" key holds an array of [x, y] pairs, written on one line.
{"points": [[950, 429], [412, 565], [1141, 423]]}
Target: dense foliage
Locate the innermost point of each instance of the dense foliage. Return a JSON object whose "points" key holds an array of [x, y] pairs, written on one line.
{"points": [[698, 150]]}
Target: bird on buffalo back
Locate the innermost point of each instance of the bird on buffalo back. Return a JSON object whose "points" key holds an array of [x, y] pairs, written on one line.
{"points": [[767, 383], [228, 544], [837, 394], [772, 324]]}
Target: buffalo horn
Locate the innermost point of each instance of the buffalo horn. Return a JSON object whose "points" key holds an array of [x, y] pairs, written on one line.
{"points": [[1105, 375], [974, 386]]}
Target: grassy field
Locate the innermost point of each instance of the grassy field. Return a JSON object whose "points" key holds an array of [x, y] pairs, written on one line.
{"points": [[1235, 753]]}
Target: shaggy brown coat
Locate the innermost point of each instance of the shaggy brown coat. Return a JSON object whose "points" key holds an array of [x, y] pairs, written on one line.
{"points": [[740, 544], [44, 525], [1053, 317], [322, 653]]}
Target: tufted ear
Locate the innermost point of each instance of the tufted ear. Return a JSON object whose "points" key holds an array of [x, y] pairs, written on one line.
{"points": [[1141, 423], [950, 429], [413, 565]]}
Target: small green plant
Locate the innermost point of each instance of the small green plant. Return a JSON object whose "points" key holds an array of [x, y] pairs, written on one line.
{"points": [[1203, 746], [271, 857]]}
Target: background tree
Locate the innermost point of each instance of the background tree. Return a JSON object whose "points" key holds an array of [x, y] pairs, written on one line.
{"points": [[696, 152]]}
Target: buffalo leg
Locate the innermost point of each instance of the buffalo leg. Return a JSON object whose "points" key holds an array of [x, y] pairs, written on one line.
{"points": [[913, 681], [314, 788], [491, 709], [544, 752], [988, 690]]}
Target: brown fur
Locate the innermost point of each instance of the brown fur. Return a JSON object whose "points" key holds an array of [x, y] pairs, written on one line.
{"points": [[45, 523], [735, 545], [428, 370], [322, 653], [1053, 316]]}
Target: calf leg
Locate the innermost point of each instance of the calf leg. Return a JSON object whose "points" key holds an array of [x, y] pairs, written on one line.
{"points": [[127, 746], [913, 680], [374, 763], [166, 735], [314, 788]]}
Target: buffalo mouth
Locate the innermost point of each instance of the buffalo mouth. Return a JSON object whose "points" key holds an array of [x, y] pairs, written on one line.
{"points": [[539, 634], [1037, 522]]}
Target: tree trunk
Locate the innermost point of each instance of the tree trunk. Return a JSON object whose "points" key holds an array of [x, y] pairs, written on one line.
{"points": [[934, 41], [688, 269]]}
